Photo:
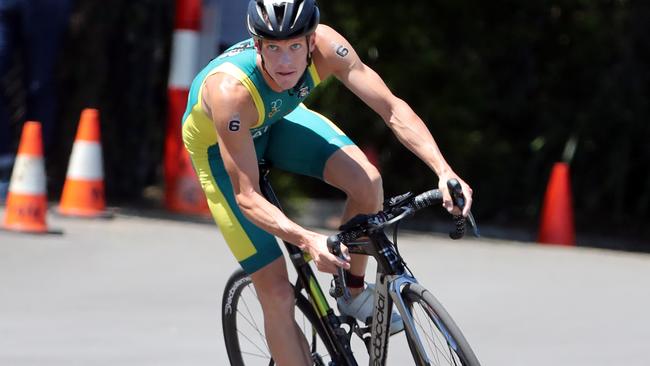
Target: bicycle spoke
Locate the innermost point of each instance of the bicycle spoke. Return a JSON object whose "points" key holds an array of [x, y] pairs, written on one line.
{"points": [[433, 330], [254, 355], [433, 339], [430, 342], [252, 325], [251, 316], [246, 328], [251, 342]]}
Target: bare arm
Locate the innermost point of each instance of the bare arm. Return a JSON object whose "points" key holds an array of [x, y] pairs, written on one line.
{"points": [[398, 115], [232, 120]]}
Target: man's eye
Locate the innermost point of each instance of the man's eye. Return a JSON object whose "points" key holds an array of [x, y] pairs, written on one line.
{"points": [[272, 47], [296, 46]]}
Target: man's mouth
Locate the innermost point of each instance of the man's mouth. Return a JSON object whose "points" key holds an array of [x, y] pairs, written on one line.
{"points": [[287, 73]]}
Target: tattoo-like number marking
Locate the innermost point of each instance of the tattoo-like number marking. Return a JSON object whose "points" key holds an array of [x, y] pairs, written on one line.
{"points": [[342, 51], [234, 125]]}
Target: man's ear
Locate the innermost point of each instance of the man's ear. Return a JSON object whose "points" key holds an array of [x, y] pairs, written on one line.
{"points": [[312, 42], [258, 44]]}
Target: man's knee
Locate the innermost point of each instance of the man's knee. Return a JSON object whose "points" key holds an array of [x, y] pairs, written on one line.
{"points": [[367, 187], [276, 297]]}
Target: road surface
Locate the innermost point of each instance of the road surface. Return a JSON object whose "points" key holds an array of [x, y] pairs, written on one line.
{"points": [[147, 291]]}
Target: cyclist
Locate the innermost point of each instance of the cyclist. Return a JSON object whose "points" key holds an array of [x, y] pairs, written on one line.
{"points": [[246, 104]]}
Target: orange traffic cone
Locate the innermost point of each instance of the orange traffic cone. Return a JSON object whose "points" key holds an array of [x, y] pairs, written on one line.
{"points": [[83, 190], [183, 192], [557, 225], [27, 198]]}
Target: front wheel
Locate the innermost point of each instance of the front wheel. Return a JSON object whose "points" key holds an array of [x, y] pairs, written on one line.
{"points": [[442, 340], [243, 325]]}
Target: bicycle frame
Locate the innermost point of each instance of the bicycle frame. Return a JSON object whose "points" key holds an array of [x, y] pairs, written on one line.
{"points": [[306, 279], [390, 279]]}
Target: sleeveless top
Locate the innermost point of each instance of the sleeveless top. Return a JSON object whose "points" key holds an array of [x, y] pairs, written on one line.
{"points": [[239, 61]]}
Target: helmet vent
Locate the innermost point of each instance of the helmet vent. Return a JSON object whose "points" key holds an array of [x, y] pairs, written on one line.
{"points": [[282, 19], [298, 12], [280, 11], [263, 15]]}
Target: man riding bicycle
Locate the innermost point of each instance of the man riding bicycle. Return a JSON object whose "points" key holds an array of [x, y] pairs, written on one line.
{"points": [[245, 105]]}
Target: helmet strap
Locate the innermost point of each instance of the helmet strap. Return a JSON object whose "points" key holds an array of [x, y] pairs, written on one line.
{"points": [[308, 52], [263, 63]]}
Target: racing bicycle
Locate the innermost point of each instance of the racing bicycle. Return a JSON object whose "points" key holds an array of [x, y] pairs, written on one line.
{"points": [[432, 337]]}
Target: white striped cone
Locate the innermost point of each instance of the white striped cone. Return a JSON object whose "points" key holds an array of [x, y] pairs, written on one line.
{"points": [[83, 191], [27, 198]]}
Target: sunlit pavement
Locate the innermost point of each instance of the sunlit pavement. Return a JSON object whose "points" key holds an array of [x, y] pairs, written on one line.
{"points": [[141, 291]]}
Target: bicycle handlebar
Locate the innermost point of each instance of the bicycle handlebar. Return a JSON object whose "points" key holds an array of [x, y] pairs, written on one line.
{"points": [[398, 208]]}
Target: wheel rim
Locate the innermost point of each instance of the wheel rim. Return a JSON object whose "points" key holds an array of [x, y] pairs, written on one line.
{"points": [[249, 321]]}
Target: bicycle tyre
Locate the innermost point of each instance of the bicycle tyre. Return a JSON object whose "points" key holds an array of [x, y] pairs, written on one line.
{"points": [[232, 306], [442, 329]]}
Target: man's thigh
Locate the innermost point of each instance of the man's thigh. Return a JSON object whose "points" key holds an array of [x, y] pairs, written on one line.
{"points": [[303, 142]]}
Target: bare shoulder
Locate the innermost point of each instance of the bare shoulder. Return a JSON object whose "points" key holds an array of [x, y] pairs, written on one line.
{"points": [[333, 52], [223, 97], [327, 33]]}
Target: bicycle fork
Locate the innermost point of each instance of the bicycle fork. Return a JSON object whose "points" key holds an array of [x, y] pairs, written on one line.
{"points": [[396, 285], [388, 294]]}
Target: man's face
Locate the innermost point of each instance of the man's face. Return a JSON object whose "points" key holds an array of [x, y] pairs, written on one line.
{"points": [[285, 60]]}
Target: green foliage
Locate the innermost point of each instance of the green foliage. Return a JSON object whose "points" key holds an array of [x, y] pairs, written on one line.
{"points": [[503, 85]]}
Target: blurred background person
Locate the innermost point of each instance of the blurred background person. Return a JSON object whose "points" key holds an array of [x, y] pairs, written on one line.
{"points": [[232, 28], [30, 31], [221, 27]]}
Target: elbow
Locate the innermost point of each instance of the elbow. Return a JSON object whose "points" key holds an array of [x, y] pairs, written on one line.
{"points": [[246, 202], [394, 109]]}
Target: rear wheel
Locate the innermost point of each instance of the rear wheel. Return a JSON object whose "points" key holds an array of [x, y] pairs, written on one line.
{"points": [[442, 341], [243, 325]]}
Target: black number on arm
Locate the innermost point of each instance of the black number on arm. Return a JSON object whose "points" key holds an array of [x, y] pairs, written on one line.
{"points": [[342, 51], [234, 125]]}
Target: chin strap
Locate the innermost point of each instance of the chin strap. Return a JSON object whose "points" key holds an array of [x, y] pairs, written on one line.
{"points": [[308, 52]]}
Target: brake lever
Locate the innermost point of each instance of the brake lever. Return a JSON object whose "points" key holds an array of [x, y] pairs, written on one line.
{"points": [[340, 288], [472, 223]]}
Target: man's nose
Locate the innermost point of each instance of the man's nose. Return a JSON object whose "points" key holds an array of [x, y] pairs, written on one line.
{"points": [[285, 58]]}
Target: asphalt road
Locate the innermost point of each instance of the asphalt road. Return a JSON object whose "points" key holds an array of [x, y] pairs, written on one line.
{"points": [[141, 291]]}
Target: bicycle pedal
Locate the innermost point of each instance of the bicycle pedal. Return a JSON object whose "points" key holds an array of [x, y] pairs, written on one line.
{"points": [[346, 319], [340, 332], [317, 359]]}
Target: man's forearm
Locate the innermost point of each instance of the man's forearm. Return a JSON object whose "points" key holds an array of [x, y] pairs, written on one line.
{"points": [[269, 218], [414, 134]]}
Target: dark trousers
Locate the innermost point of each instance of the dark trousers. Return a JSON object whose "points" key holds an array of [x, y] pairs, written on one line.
{"points": [[35, 28]]}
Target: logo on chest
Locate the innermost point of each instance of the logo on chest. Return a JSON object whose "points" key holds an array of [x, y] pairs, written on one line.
{"points": [[275, 107], [299, 91], [302, 92]]}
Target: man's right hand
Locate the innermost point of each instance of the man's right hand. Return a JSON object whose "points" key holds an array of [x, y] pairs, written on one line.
{"points": [[325, 261]]}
